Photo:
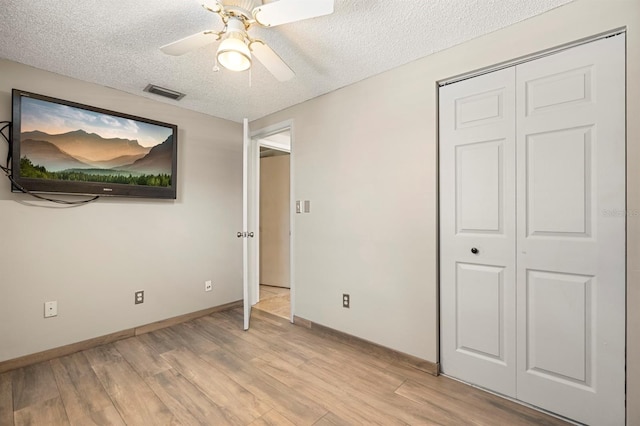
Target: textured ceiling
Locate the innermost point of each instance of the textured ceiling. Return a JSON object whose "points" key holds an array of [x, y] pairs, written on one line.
{"points": [[116, 43]]}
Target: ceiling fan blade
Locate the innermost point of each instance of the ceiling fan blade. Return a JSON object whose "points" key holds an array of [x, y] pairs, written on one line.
{"points": [[271, 61], [285, 11], [211, 5], [190, 43]]}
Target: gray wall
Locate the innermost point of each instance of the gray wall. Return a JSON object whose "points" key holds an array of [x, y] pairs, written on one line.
{"points": [[92, 258], [366, 156]]}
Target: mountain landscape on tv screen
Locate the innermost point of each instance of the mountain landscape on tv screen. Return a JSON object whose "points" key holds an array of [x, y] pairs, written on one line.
{"points": [[89, 157]]}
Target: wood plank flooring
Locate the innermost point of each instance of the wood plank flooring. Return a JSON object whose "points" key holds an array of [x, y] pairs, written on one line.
{"points": [[209, 372], [275, 300]]}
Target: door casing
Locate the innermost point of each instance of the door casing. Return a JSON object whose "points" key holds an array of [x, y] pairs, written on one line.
{"points": [[257, 141]]}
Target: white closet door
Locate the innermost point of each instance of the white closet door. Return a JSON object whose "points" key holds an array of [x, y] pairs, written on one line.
{"points": [[477, 212], [571, 232]]}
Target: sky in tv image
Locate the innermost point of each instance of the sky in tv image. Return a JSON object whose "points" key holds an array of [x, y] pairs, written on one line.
{"points": [[60, 142], [55, 119]]}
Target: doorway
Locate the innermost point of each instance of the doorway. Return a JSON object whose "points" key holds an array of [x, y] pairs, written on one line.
{"points": [[271, 278], [273, 226]]}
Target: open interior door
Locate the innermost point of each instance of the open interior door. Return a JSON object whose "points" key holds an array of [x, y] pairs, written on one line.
{"points": [[249, 234], [246, 146]]}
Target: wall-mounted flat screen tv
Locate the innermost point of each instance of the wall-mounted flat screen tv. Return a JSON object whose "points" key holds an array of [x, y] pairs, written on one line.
{"points": [[60, 146]]}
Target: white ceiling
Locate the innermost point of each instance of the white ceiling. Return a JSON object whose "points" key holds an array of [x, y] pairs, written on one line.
{"points": [[116, 43]]}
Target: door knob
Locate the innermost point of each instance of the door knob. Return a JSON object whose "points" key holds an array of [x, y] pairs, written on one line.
{"points": [[474, 250], [251, 234], [239, 234]]}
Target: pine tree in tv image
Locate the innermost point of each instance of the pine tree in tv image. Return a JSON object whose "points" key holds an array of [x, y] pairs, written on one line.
{"points": [[60, 142]]}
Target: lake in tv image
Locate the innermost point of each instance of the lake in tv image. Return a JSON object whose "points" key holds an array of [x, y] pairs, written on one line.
{"points": [[61, 142]]}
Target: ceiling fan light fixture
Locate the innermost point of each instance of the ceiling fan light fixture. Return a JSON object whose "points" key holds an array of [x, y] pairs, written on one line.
{"points": [[237, 48], [233, 53]]}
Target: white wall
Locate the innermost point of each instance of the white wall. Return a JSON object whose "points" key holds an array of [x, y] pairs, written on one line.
{"points": [[92, 258], [366, 157]]}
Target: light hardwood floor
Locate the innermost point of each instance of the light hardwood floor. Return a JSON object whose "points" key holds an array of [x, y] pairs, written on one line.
{"points": [[275, 300], [209, 372]]}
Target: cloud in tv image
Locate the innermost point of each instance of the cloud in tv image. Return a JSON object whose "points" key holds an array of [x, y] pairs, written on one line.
{"points": [[60, 142]]}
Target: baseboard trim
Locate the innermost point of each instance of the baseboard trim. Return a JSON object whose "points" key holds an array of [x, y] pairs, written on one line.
{"points": [[148, 328], [69, 349], [429, 367]]}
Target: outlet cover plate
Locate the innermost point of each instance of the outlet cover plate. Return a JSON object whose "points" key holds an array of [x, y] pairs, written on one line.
{"points": [[346, 300], [207, 285], [50, 309], [139, 297]]}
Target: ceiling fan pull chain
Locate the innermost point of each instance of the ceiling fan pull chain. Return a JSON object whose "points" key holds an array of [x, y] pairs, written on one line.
{"points": [[216, 68]]}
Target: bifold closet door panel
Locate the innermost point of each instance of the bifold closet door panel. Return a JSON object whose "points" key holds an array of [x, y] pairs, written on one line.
{"points": [[477, 230], [570, 148]]}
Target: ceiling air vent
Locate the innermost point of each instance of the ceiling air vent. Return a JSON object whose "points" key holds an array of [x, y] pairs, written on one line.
{"points": [[161, 91]]}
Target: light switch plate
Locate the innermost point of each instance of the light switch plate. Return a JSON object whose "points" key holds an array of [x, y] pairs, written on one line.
{"points": [[298, 206], [307, 206]]}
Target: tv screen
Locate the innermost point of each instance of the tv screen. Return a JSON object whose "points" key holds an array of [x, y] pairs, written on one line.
{"points": [[60, 146]]}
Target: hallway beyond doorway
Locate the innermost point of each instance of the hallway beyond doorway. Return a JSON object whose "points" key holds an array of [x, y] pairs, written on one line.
{"points": [[274, 300]]}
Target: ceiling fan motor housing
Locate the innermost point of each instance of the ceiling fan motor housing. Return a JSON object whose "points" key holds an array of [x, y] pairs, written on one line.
{"points": [[236, 25], [245, 5], [240, 9]]}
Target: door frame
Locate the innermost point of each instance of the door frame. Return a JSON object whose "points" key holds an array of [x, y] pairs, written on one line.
{"points": [[526, 58], [255, 139]]}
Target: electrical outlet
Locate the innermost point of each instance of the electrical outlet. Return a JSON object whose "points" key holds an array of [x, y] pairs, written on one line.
{"points": [[207, 285], [50, 309], [345, 300], [139, 297]]}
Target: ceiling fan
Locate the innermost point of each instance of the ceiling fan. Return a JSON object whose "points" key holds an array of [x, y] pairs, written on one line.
{"points": [[237, 48]]}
